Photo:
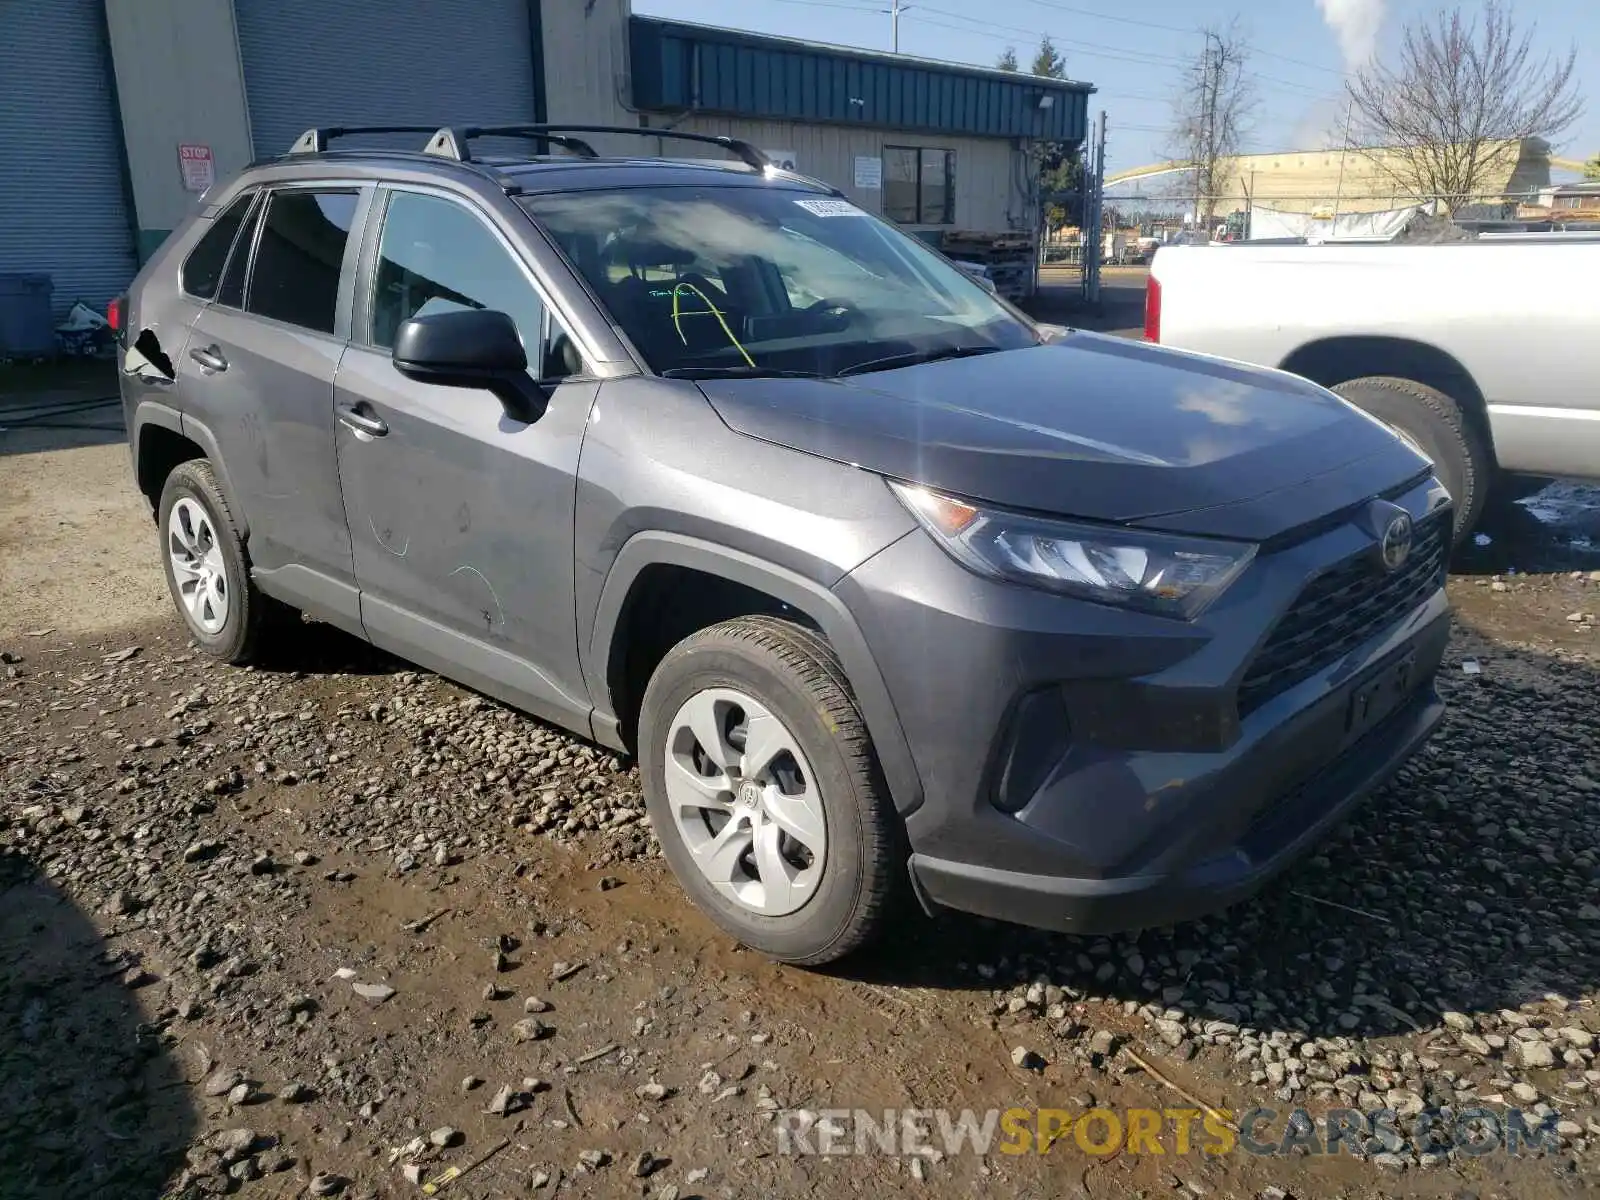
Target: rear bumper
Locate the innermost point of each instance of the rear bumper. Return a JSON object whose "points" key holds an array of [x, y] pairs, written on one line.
{"points": [[1285, 831]]}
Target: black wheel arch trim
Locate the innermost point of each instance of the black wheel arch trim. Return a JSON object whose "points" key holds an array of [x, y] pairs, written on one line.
{"points": [[151, 413], [659, 548]]}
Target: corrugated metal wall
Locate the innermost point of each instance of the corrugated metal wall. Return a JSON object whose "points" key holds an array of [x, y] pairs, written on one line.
{"points": [[357, 62], [678, 67], [63, 192]]}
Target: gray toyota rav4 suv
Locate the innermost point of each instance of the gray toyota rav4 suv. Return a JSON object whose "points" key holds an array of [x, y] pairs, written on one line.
{"points": [[889, 589]]}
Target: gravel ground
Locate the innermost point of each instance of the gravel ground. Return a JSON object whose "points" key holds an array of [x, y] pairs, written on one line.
{"points": [[77, 547], [337, 926]]}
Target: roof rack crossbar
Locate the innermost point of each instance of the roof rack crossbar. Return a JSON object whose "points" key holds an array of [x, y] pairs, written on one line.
{"points": [[315, 141], [452, 143]]}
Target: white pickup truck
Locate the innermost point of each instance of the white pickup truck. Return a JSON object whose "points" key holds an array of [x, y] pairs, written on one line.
{"points": [[1484, 354]]}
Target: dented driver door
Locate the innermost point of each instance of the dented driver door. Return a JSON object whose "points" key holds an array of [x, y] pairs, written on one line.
{"points": [[461, 516]]}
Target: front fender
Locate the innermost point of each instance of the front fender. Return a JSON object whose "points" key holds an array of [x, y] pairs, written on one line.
{"points": [[656, 548]]}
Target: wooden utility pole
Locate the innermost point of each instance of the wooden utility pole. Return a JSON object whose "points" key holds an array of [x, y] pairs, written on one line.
{"points": [[1207, 181], [1338, 188]]}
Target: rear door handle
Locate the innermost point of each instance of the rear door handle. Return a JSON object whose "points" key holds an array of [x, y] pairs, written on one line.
{"points": [[362, 424], [209, 357]]}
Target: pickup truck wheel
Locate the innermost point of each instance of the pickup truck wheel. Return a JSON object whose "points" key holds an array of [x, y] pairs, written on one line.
{"points": [[1434, 424], [763, 788], [207, 571]]}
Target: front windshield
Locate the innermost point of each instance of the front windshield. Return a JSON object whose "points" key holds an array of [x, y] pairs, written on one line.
{"points": [[769, 280]]}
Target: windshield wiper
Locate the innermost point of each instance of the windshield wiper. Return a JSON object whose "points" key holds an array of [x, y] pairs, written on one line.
{"points": [[915, 357], [739, 372]]}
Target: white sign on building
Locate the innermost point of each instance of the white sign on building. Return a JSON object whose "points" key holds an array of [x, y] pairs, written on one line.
{"points": [[869, 172]]}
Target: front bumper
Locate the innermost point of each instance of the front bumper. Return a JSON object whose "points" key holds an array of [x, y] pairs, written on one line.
{"points": [[1289, 828], [1088, 769]]}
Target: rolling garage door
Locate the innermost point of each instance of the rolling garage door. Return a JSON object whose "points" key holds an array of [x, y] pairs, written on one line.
{"points": [[63, 190], [376, 62]]}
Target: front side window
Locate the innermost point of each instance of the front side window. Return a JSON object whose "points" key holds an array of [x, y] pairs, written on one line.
{"points": [[299, 253], [203, 268], [919, 185], [743, 279], [435, 256]]}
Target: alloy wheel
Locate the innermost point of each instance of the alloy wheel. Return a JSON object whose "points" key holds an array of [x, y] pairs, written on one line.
{"points": [[199, 572], [745, 802]]}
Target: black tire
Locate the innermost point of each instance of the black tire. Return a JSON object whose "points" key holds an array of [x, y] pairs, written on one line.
{"points": [[250, 613], [795, 673], [1436, 423]]}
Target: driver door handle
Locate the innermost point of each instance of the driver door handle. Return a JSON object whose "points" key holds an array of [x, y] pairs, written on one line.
{"points": [[362, 424], [209, 357]]}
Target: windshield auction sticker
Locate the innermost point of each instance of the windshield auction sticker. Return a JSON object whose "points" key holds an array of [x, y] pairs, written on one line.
{"points": [[831, 208]]}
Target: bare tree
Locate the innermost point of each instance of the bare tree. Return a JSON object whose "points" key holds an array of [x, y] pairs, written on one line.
{"points": [[1008, 60], [1211, 116], [1462, 94]]}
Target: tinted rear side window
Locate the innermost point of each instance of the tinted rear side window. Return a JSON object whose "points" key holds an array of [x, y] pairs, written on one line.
{"points": [[231, 291], [298, 256], [203, 268]]}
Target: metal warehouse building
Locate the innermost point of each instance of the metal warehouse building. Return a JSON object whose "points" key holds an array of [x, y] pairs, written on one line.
{"points": [[115, 114]]}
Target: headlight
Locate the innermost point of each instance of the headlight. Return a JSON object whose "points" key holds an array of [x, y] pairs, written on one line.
{"points": [[1158, 572]]}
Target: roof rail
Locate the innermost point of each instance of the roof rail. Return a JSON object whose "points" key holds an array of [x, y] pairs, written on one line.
{"points": [[452, 143], [315, 141]]}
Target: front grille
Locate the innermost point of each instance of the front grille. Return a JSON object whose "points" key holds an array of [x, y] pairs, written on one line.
{"points": [[1339, 610]]}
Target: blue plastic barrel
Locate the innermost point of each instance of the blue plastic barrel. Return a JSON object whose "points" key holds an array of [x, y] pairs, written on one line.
{"points": [[26, 327]]}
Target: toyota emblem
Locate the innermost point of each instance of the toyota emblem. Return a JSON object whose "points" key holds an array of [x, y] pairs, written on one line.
{"points": [[1394, 547], [1390, 528]]}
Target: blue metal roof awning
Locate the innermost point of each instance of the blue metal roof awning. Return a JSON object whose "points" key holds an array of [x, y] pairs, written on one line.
{"points": [[682, 67]]}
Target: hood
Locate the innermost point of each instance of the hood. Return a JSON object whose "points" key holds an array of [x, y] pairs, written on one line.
{"points": [[1092, 426]]}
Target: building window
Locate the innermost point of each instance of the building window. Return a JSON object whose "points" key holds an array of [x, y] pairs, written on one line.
{"points": [[919, 185]]}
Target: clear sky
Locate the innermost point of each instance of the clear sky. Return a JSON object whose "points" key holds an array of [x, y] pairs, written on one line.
{"points": [[1134, 52]]}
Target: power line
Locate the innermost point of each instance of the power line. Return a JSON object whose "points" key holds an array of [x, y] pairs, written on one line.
{"points": [[1094, 49], [1111, 51], [866, 12], [1080, 48], [1099, 16], [1143, 24], [1299, 62], [1084, 12]]}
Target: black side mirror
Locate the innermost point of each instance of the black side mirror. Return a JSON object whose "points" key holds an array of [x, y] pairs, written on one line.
{"points": [[474, 348]]}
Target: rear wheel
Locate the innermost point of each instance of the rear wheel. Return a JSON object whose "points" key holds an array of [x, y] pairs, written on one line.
{"points": [[1434, 425], [206, 568], [762, 786]]}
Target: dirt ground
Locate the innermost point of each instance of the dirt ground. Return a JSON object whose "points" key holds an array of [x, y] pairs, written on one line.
{"points": [[335, 925]]}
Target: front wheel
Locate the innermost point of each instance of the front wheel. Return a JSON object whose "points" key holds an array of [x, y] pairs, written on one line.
{"points": [[762, 786], [1435, 426]]}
